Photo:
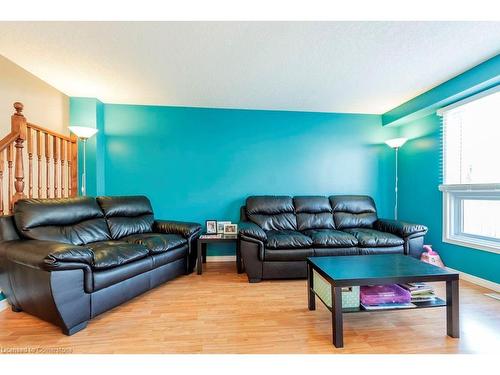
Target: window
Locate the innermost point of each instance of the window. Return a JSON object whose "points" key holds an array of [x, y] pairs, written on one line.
{"points": [[471, 171]]}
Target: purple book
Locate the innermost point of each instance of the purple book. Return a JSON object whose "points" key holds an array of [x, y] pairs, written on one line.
{"points": [[377, 294]]}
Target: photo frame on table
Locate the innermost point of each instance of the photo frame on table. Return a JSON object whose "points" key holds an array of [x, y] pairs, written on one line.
{"points": [[220, 226], [231, 229], [211, 226]]}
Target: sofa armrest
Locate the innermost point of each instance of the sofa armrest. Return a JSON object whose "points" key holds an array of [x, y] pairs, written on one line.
{"points": [[46, 255], [400, 228], [252, 230], [184, 229]]}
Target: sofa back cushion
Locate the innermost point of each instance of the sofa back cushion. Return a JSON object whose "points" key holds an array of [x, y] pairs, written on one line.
{"points": [[127, 215], [272, 212], [353, 211], [313, 212], [69, 220]]}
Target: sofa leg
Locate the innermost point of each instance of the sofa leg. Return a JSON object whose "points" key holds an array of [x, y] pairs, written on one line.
{"points": [[16, 309], [250, 257], [75, 329]]}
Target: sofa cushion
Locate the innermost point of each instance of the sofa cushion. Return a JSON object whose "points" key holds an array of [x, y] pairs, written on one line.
{"points": [[103, 278], [353, 211], [381, 250], [160, 259], [313, 212], [287, 239], [109, 254], [68, 220], [271, 212], [335, 251], [373, 238], [155, 242], [286, 255], [331, 238], [127, 215]]}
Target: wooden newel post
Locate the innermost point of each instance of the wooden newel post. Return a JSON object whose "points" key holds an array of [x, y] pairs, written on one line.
{"points": [[18, 122]]}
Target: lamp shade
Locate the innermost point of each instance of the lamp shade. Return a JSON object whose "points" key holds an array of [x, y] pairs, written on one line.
{"points": [[82, 132], [396, 142]]}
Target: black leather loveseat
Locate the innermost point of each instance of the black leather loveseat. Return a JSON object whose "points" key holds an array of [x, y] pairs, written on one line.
{"points": [[277, 234], [68, 260]]}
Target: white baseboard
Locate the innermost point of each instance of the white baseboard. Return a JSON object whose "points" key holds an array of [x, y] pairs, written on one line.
{"points": [[3, 304], [477, 280], [221, 258]]}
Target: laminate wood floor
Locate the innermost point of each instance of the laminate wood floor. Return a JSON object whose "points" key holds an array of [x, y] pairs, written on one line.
{"points": [[220, 312]]}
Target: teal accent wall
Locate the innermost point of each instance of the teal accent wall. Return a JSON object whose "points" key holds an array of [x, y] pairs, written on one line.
{"points": [[197, 164], [90, 112], [472, 81], [421, 169]]}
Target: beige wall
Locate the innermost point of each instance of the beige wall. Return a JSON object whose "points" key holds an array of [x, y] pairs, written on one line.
{"points": [[43, 104]]}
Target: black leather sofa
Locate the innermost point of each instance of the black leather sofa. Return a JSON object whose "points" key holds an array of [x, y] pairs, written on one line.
{"points": [[68, 260], [278, 233]]}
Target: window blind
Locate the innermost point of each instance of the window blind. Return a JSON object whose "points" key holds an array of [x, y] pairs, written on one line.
{"points": [[471, 141]]}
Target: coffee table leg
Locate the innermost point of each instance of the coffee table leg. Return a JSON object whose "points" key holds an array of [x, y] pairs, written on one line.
{"points": [[310, 294], [452, 312], [337, 319], [199, 265]]}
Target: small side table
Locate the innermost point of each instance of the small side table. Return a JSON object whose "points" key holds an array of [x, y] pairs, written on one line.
{"points": [[202, 249]]}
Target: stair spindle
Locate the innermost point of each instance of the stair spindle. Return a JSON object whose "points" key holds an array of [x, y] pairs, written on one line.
{"points": [[68, 150], [30, 162], [39, 162], [74, 165], [10, 153], [47, 164], [56, 165], [62, 145]]}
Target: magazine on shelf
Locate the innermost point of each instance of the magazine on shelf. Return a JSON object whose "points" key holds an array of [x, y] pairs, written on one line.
{"points": [[387, 306], [424, 297], [417, 288]]}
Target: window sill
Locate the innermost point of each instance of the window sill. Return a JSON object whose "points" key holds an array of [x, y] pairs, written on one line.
{"points": [[474, 244]]}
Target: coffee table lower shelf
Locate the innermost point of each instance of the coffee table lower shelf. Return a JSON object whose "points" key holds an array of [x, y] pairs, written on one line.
{"points": [[438, 302]]}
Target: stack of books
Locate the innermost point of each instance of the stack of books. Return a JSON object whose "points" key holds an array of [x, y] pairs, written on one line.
{"points": [[420, 292]]}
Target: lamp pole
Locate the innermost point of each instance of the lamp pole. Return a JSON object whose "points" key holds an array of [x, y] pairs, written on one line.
{"points": [[396, 143], [84, 173]]}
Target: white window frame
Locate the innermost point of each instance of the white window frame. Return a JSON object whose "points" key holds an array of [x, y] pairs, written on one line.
{"points": [[453, 196]]}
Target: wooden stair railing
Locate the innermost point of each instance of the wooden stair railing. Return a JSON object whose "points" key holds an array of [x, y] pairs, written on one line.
{"points": [[59, 169]]}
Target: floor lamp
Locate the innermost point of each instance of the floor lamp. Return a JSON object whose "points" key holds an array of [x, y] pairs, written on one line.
{"points": [[83, 133], [396, 143]]}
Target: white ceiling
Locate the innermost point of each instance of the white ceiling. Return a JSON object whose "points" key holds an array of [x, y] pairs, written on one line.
{"points": [[359, 67]]}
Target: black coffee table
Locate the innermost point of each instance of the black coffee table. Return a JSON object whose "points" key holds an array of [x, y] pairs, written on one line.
{"points": [[358, 270]]}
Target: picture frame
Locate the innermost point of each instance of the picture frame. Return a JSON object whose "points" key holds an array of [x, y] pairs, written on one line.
{"points": [[211, 226], [220, 226], [231, 229]]}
